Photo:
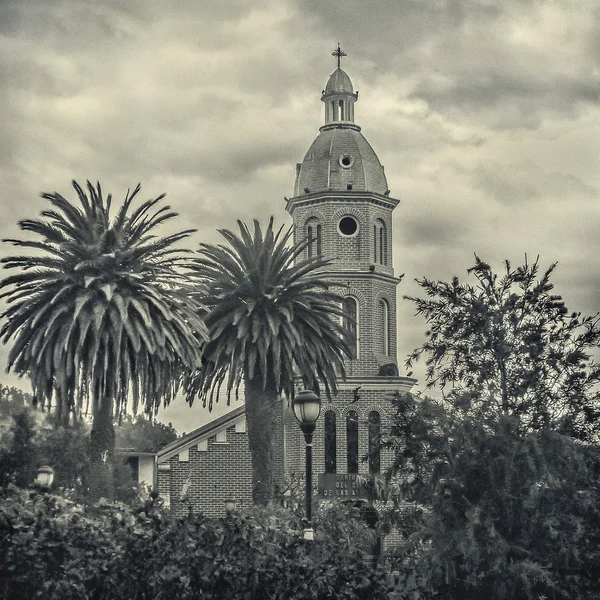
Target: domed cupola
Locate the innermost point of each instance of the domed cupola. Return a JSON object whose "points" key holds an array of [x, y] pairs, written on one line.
{"points": [[339, 82], [340, 158], [338, 95]]}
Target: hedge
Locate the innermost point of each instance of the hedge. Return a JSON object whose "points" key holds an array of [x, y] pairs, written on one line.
{"points": [[53, 548]]}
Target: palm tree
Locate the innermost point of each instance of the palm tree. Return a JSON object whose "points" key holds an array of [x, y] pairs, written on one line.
{"points": [[272, 318], [101, 313]]}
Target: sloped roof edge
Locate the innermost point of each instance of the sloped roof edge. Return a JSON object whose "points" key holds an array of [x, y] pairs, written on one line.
{"points": [[207, 430]]}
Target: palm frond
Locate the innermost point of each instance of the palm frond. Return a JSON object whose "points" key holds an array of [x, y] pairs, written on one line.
{"points": [[271, 315], [103, 311]]}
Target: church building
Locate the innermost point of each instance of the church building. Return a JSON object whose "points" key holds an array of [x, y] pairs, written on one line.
{"points": [[342, 202]]}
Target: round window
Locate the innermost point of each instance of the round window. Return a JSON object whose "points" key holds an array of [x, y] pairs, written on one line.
{"points": [[346, 161], [348, 226]]}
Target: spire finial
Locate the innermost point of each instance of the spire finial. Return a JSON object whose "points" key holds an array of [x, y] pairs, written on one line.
{"points": [[338, 52]]}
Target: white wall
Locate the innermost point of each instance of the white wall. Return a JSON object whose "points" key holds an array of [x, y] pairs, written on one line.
{"points": [[146, 471]]}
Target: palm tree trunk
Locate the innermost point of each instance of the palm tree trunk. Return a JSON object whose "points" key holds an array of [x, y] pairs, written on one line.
{"points": [[102, 449], [260, 418]]}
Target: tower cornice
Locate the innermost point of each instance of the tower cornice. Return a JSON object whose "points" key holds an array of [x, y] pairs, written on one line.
{"points": [[389, 384], [343, 197], [368, 274], [340, 125]]}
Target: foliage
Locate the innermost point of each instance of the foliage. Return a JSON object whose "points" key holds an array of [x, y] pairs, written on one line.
{"points": [[100, 291], [345, 523], [13, 400], [272, 315], [342, 521], [66, 448], [101, 312], [509, 345], [419, 439], [19, 462], [501, 513], [143, 433], [497, 483], [51, 548], [272, 319]]}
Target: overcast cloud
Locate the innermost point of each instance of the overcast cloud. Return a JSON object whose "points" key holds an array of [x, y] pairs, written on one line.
{"points": [[485, 114]]}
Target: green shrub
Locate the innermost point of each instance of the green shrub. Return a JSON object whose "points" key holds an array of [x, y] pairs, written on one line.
{"points": [[52, 548]]}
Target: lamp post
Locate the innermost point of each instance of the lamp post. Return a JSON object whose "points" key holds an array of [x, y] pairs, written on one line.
{"points": [[307, 408], [44, 477], [229, 505]]}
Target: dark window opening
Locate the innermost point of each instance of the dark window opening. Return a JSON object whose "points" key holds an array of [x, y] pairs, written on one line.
{"points": [[330, 442], [379, 243], [352, 438], [309, 233], [375, 243], [385, 326], [350, 323], [133, 462], [348, 226], [374, 439], [319, 253]]}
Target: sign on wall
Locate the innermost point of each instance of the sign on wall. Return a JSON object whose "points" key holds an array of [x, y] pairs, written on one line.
{"points": [[341, 485]]}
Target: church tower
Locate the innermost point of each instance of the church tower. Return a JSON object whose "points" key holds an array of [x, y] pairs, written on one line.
{"points": [[342, 203]]}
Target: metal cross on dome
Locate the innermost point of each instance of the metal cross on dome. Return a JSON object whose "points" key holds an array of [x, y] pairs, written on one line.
{"points": [[339, 53]]}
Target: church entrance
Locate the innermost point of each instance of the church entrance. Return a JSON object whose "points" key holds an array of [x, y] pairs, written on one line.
{"points": [[369, 515]]}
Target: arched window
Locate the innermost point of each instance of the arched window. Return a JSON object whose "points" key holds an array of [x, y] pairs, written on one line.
{"points": [[374, 243], [384, 309], [333, 111], [330, 442], [350, 323], [374, 437], [319, 246], [313, 233], [341, 110], [380, 243], [352, 441]]}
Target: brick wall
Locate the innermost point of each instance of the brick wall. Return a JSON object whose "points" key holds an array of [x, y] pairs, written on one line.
{"points": [[356, 269], [370, 400], [347, 252], [220, 469]]}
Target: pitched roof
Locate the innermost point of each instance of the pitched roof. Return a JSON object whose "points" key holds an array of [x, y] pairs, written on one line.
{"points": [[206, 431]]}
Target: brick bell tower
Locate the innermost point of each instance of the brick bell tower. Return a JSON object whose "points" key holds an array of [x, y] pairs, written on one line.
{"points": [[342, 203]]}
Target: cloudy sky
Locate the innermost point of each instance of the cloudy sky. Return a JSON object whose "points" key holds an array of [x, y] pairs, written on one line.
{"points": [[486, 115]]}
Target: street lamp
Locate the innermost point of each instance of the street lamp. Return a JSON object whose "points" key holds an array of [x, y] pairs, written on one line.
{"points": [[307, 408], [44, 477], [229, 505]]}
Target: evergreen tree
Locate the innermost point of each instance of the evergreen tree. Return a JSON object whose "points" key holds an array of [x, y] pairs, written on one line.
{"points": [[13, 400], [503, 470], [509, 345], [66, 448], [143, 433], [19, 463]]}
